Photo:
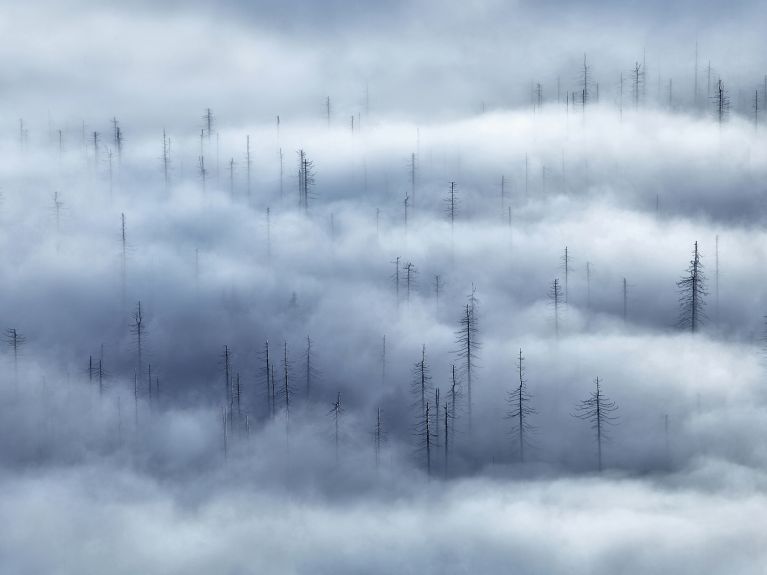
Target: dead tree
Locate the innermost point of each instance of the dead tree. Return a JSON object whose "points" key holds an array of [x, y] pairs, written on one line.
{"points": [[721, 102], [637, 83], [208, 120], [203, 173], [447, 417], [520, 410], [450, 210], [227, 359], [57, 207], [395, 277], [123, 261], [468, 348], [756, 109], [117, 137], [287, 391], [410, 273], [268, 379], [566, 260], [15, 341], [451, 205], [138, 329], [421, 386], [305, 180], [692, 293], [379, 436], [436, 417], [383, 360], [597, 410], [101, 376], [585, 83], [455, 396], [425, 436], [96, 140], [555, 296], [336, 413]]}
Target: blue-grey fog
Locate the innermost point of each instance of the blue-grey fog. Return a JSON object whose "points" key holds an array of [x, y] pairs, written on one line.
{"points": [[412, 287]]}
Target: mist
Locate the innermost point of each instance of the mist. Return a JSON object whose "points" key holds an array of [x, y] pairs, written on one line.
{"points": [[344, 287]]}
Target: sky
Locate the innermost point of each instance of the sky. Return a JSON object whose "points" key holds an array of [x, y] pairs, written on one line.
{"points": [[271, 417]]}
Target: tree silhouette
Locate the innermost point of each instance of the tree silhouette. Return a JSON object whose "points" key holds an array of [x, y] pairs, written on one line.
{"points": [[555, 295], [468, 347], [138, 329], [336, 411], [15, 341], [520, 410], [421, 386], [692, 292], [597, 409]]}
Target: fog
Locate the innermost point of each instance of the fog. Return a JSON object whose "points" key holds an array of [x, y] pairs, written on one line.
{"points": [[219, 357]]}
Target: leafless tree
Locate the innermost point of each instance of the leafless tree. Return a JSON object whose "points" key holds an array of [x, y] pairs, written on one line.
{"points": [[138, 329], [692, 293], [379, 437], [721, 102], [555, 295], [467, 338], [305, 180], [520, 410], [597, 409], [336, 412], [410, 273], [15, 341], [566, 268], [421, 386]]}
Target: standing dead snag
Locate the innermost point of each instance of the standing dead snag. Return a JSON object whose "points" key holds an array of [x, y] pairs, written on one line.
{"points": [[721, 102], [395, 277], [450, 211], [15, 341], [305, 180], [138, 329], [555, 295], [597, 410], [421, 386], [425, 434], [336, 413], [410, 273], [379, 436], [520, 410], [566, 260], [468, 347], [692, 291], [227, 359]]}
